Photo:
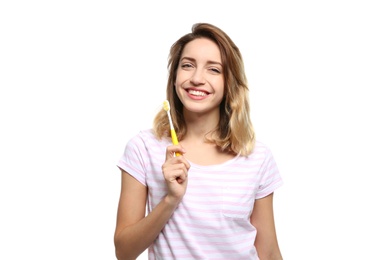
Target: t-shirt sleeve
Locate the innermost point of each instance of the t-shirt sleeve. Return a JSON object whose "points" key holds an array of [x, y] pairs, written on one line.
{"points": [[134, 159], [270, 177]]}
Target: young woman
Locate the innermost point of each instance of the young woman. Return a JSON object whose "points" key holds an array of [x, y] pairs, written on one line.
{"points": [[216, 200]]}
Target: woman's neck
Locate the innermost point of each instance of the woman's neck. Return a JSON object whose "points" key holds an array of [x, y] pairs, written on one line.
{"points": [[200, 129], [199, 126]]}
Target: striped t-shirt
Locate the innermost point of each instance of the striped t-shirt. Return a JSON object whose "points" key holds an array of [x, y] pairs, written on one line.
{"points": [[212, 221]]}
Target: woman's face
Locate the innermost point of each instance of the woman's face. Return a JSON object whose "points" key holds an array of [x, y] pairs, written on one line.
{"points": [[199, 80]]}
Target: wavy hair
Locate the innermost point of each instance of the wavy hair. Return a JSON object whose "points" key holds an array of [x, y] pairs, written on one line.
{"points": [[234, 133]]}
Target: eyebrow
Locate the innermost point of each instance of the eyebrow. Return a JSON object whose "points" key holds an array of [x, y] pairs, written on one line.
{"points": [[208, 62]]}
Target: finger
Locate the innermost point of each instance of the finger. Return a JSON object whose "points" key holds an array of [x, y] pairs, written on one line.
{"points": [[175, 171], [178, 176], [181, 161], [175, 167], [184, 161], [181, 176], [172, 149]]}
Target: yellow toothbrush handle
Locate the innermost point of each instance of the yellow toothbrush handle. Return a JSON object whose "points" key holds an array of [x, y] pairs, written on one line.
{"points": [[174, 140]]}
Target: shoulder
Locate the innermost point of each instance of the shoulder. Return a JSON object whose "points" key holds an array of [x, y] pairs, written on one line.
{"points": [[143, 135], [147, 139], [260, 154], [146, 134], [260, 149]]}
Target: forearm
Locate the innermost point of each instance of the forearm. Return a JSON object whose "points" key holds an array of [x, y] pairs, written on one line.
{"points": [[271, 254], [132, 240], [262, 219]]}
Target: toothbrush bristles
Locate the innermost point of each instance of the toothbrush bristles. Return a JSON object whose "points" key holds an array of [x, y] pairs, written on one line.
{"points": [[167, 108], [166, 105]]}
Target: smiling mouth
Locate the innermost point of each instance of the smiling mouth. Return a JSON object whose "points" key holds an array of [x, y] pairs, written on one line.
{"points": [[197, 93]]}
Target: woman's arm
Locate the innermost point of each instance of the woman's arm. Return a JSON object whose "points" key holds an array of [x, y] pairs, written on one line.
{"points": [[134, 232], [262, 218]]}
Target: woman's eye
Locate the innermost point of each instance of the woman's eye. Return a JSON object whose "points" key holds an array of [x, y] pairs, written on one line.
{"points": [[186, 65], [215, 70]]}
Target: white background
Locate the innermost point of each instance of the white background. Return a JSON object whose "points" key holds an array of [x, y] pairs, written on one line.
{"points": [[79, 78]]}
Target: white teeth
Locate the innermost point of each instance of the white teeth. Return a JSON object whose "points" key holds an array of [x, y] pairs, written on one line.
{"points": [[197, 93]]}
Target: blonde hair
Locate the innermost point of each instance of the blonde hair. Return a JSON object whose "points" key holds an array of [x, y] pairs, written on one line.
{"points": [[234, 133]]}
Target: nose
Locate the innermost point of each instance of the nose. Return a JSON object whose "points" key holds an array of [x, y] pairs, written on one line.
{"points": [[198, 77]]}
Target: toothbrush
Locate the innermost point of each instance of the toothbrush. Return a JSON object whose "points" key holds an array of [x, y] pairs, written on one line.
{"points": [[167, 108]]}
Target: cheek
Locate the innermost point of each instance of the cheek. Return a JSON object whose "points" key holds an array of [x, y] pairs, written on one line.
{"points": [[180, 78], [178, 89], [219, 86], [177, 83], [221, 93]]}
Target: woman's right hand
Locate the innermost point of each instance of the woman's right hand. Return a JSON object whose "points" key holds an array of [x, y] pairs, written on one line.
{"points": [[175, 170]]}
